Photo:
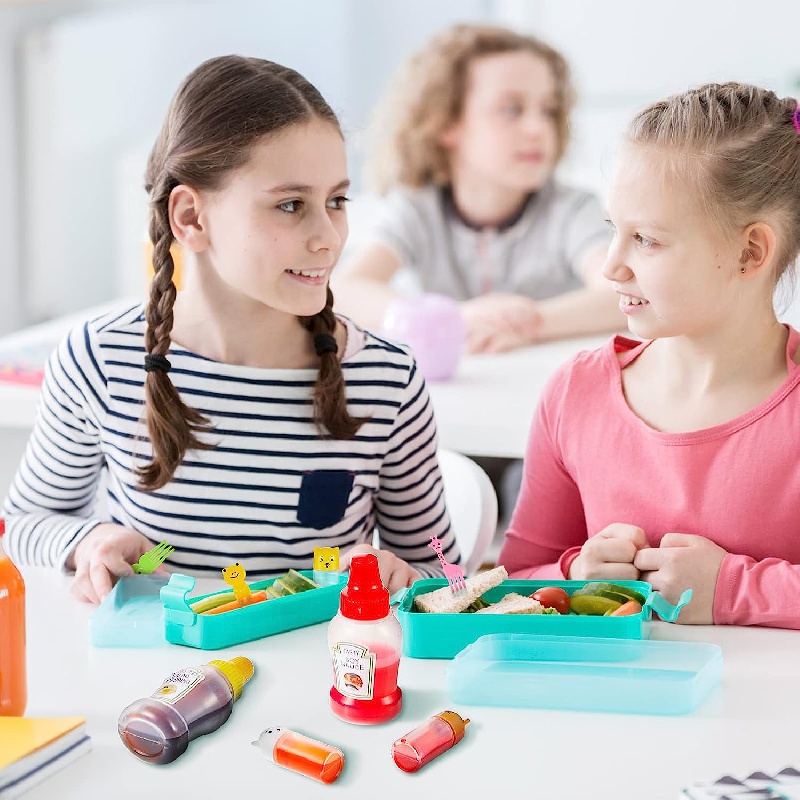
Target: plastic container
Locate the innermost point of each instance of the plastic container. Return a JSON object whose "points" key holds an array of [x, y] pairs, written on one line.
{"points": [[584, 674], [428, 741], [132, 614], [13, 674], [364, 641], [444, 635], [214, 631], [188, 704], [300, 754]]}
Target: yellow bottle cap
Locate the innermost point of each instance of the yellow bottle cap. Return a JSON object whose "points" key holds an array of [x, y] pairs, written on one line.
{"points": [[238, 671], [455, 722]]}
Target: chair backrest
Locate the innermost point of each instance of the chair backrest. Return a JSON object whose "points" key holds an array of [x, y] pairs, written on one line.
{"points": [[472, 503]]}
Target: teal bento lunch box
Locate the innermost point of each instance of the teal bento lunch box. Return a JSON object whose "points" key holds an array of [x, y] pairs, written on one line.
{"points": [[428, 635], [215, 631], [584, 674]]}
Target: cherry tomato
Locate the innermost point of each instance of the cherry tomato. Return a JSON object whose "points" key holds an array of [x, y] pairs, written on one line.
{"points": [[553, 597]]}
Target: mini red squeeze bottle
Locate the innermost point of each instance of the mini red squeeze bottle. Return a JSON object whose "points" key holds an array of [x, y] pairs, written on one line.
{"points": [[429, 740], [300, 754], [188, 704], [13, 676], [364, 641]]}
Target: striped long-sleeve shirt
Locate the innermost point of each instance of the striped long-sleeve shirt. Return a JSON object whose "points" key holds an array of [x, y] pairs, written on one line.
{"points": [[271, 489]]}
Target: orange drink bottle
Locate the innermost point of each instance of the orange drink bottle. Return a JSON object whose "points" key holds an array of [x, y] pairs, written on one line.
{"points": [[13, 678]]}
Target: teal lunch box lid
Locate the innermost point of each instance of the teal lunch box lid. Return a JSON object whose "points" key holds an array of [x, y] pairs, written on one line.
{"points": [[215, 631], [444, 635], [131, 615], [584, 674]]}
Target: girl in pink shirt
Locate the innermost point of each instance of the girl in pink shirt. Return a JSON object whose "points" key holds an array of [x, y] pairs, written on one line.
{"points": [[676, 460]]}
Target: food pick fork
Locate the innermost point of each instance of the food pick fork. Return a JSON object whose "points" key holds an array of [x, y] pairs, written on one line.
{"points": [[153, 558], [453, 573]]}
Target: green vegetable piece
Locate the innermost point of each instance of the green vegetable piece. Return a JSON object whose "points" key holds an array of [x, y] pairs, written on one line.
{"points": [[592, 604]]}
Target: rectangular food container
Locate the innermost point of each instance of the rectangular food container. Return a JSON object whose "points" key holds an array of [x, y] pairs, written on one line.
{"points": [[215, 631], [443, 635], [584, 674]]}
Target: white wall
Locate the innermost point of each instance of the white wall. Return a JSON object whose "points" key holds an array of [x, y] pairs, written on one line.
{"points": [[625, 54], [97, 86]]}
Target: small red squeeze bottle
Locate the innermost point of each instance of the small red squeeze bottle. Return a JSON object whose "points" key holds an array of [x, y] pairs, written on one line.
{"points": [[188, 704], [364, 640], [429, 740]]}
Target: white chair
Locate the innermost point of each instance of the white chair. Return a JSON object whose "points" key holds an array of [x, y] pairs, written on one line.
{"points": [[472, 503]]}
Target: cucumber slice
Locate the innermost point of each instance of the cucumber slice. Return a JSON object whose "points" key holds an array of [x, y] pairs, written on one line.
{"points": [[297, 582], [618, 588], [594, 591]]}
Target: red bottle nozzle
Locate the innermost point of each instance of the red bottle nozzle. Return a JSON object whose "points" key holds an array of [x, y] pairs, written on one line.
{"points": [[364, 597]]}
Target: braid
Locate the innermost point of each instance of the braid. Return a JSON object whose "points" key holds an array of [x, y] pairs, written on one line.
{"points": [[173, 426], [330, 397]]}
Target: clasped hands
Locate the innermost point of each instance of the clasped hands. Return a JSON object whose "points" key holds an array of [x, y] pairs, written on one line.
{"points": [[499, 322], [681, 561]]}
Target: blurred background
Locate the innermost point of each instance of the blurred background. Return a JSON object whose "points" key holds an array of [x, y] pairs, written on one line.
{"points": [[84, 85]]}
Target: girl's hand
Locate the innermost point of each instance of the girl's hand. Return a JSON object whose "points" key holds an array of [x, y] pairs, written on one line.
{"points": [[395, 573], [610, 554], [684, 561], [101, 557], [499, 322]]}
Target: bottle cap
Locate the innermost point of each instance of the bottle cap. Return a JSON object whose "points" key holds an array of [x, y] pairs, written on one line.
{"points": [[2, 527], [364, 597], [238, 671], [456, 723]]}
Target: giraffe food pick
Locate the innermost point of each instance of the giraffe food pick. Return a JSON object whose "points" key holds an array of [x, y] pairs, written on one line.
{"points": [[453, 573]]}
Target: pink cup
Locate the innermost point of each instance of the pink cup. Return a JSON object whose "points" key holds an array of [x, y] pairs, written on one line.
{"points": [[433, 327]]}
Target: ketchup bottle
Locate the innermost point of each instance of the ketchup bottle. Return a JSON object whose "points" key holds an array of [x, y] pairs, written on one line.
{"points": [[13, 679], [364, 640]]}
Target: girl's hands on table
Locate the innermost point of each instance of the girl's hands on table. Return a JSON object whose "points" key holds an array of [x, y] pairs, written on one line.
{"points": [[103, 556], [680, 562], [610, 554]]}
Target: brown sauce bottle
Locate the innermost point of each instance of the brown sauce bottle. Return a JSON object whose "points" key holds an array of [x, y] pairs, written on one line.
{"points": [[188, 704]]}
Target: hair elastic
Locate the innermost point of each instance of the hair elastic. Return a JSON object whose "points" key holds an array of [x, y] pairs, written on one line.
{"points": [[153, 363], [796, 118], [325, 343]]}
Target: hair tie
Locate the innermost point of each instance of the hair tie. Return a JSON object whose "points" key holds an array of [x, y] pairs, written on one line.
{"points": [[796, 118], [154, 363], [325, 343]]}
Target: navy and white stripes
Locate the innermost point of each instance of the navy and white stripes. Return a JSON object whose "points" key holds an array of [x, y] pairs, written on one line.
{"points": [[269, 491]]}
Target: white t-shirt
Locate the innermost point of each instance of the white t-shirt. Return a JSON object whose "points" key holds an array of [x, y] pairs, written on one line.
{"points": [[537, 255]]}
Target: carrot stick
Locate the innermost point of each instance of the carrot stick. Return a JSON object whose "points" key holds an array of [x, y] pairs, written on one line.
{"points": [[255, 597]]}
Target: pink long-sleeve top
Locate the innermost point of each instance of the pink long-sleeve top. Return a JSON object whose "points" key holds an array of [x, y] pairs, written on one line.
{"points": [[590, 462]]}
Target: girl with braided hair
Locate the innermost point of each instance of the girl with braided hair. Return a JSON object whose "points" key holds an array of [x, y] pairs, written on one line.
{"points": [[675, 459], [240, 419]]}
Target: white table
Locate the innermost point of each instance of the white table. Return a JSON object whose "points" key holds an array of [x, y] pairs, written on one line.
{"points": [[486, 409], [750, 722]]}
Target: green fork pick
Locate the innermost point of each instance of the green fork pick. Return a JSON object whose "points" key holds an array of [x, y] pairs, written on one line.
{"points": [[152, 558]]}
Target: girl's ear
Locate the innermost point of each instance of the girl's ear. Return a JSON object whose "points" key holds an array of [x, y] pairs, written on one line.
{"points": [[184, 218], [449, 136], [759, 249]]}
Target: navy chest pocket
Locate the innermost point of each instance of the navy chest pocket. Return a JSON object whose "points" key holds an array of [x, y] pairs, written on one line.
{"points": [[323, 497]]}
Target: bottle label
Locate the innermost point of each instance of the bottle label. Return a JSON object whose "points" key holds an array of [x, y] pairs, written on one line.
{"points": [[178, 685], [353, 670]]}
